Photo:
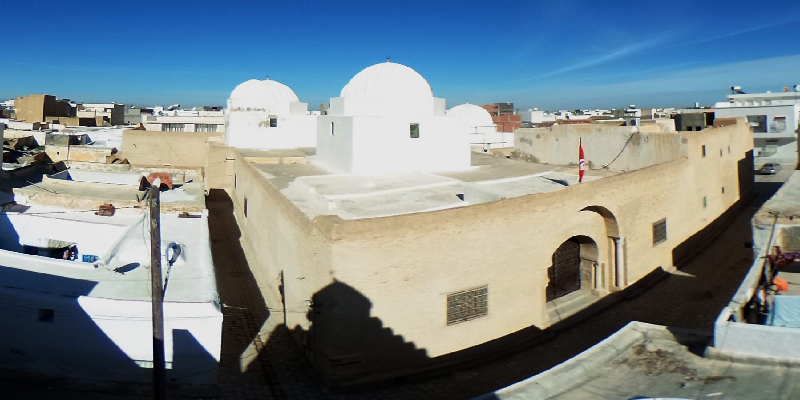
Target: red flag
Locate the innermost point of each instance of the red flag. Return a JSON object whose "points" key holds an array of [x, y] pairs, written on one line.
{"points": [[581, 162]]}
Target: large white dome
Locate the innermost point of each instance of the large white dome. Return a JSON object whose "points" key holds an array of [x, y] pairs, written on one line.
{"points": [[388, 79], [259, 95], [476, 115]]}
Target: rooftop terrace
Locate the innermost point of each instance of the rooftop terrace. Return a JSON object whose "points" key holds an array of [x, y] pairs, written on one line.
{"points": [[317, 191]]}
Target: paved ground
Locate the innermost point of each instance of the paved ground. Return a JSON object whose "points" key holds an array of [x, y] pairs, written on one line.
{"points": [[690, 298]]}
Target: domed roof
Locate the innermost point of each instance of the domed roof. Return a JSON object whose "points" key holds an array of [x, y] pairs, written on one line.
{"points": [[477, 115], [257, 94], [388, 79]]}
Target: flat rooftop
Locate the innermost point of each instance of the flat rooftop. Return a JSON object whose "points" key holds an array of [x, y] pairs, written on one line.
{"points": [[317, 191], [120, 245], [89, 189]]}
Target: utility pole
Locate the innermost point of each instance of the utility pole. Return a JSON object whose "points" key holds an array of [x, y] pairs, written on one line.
{"points": [[159, 359]]}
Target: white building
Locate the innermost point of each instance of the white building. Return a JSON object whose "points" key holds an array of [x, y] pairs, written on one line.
{"points": [[186, 121], [77, 294], [483, 131], [387, 120], [268, 115], [774, 119]]}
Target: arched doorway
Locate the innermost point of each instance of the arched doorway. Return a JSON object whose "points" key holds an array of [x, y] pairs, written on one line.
{"points": [[616, 246], [572, 267]]}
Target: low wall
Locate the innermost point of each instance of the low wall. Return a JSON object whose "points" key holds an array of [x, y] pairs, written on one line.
{"points": [[91, 154], [184, 149], [757, 340], [624, 148]]}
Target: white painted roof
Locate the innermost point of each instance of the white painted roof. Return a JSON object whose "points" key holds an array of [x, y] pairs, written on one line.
{"points": [[122, 245], [388, 79], [257, 94], [476, 115]]}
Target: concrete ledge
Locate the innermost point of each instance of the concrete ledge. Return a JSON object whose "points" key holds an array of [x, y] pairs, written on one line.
{"points": [[738, 358], [580, 368]]}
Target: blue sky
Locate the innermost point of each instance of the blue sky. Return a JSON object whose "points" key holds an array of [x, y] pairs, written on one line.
{"points": [[545, 54]]}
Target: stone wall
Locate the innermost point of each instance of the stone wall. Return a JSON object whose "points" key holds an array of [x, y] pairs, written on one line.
{"points": [[367, 299], [622, 148], [186, 149]]}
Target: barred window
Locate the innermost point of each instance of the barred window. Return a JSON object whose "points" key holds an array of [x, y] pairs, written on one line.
{"points": [[467, 304], [205, 128], [172, 127], [659, 231]]}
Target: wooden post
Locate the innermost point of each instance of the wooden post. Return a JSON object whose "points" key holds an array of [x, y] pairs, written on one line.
{"points": [[159, 359]]}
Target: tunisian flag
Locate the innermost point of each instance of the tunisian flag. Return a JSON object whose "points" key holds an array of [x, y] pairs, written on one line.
{"points": [[581, 162]]}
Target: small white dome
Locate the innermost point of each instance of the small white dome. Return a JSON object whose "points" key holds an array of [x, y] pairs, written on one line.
{"points": [[388, 79], [257, 95], [476, 115]]}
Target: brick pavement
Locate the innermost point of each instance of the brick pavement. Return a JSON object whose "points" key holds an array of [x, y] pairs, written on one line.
{"points": [[690, 298]]}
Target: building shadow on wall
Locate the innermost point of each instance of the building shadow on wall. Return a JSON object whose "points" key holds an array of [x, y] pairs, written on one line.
{"points": [[244, 308]]}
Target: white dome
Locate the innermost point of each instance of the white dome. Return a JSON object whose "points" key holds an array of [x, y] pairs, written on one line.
{"points": [[388, 79], [257, 95], [476, 115]]}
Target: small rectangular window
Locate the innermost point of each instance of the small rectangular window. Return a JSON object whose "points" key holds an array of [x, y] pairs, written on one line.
{"points": [[704, 150], [659, 231], [414, 131], [720, 152], [723, 190], [467, 305], [705, 201], [729, 149], [244, 209], [273, 122], [47, 315], [234, 181], [331, 129], [758, 123]]}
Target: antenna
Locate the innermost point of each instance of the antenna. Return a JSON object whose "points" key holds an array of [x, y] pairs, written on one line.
{"points": [[267, 77], [388, 58]]}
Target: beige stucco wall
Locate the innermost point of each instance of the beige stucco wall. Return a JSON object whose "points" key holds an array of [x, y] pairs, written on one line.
{"points": [[185, 149], [367, 298], [219, 165], [558, 145], [91, 154]]}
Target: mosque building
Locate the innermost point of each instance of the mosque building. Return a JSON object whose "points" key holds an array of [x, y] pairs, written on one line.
{"points": [[394, 249]]}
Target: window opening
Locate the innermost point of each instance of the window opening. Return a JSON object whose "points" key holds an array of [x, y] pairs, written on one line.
{"points": [[467, 305]]}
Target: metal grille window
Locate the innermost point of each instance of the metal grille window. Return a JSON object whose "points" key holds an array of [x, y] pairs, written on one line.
{"points": [[468, 304], [659, 231], [205, 128], [172, 127]]}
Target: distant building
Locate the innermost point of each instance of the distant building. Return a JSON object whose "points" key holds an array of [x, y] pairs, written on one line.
{"points": [[112, 113], [693, 119], [186, 121], [773, 117], [37, 107], [504, 116]]}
